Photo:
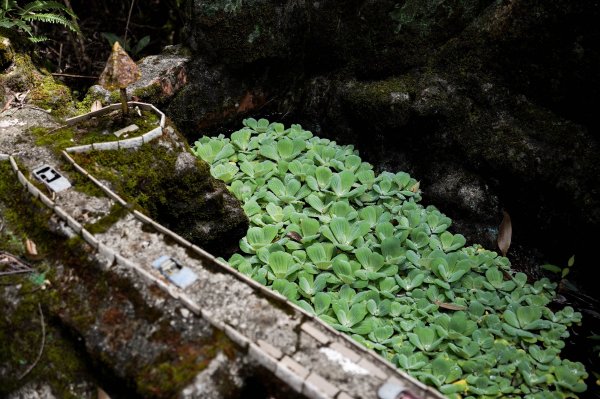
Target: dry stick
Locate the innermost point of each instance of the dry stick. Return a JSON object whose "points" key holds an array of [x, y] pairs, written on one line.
{"points": [[127, 24], [37, 359], [70, 75]]}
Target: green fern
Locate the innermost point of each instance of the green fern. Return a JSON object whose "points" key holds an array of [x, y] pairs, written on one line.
{"points": [[20, 18]]}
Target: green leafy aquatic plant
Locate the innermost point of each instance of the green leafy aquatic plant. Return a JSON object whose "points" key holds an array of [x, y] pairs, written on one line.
{"points": [[358, 250]]}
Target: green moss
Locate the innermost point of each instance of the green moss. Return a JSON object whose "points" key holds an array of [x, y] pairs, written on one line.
{"points": [[168, 377], [151, 94], [101, 226], [85, 105], [94, 130], [48, 93]]}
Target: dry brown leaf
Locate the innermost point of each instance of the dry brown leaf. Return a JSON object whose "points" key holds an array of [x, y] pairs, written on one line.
{"points": [[449, 306], [96, 105], [31, 248], [416, 187], [294, 236], [102, 394], [505, 233]]}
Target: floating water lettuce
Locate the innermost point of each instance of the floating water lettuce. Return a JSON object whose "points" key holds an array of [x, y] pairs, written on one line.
{"points": [[358, 250]]}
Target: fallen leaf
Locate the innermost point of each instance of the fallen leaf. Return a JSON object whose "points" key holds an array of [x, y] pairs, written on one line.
{"points": [[102, 394], [294, 236], [96, 105], [449, 306], [504, 233], [31, 247], [416, 187]]}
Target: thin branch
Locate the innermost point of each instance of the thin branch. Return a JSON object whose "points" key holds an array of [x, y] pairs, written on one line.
{"points": [[70, 75], [127, 24], [39, 356], [12, 272]]}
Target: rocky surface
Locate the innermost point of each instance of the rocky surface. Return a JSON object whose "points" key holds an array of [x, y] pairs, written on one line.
{"points": [[485, 102]]}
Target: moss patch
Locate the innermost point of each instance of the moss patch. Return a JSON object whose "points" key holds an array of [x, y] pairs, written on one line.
{"points": [[101, 226], [95, 130]]}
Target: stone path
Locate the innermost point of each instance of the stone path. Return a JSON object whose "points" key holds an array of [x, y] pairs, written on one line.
{"points": [[302, 351]]}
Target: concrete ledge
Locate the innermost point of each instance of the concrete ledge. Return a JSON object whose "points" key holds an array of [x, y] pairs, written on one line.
{"points": [[74, 224], [270, 349], [131, 143], [21, 178], [33, 190], [107, 253], [80, 148], [108, 145], [262, 357], [292, 373], [61, 213], [313, 330], [237, 337], [152, 134], [143, 218], [13, 164], [89, 238], [372, 368], [210, 317], [46, 200], [316, 387], [4, 157], [190, 304]]}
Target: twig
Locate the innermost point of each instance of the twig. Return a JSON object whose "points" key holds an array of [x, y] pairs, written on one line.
{"points": [[70, 75], [39, 356], [127, 24], [10, 273]]}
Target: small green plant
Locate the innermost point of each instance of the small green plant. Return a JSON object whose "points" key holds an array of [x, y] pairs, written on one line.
{"points": [[20, 18], [132, 48], [357, 249], [562, 271]]}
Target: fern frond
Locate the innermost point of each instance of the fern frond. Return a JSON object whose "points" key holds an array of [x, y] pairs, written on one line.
{"points": [[40, 5], [37, 39], [51, 19]]}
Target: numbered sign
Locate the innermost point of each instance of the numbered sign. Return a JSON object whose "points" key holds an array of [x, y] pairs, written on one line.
{"points": [[51, 178]]}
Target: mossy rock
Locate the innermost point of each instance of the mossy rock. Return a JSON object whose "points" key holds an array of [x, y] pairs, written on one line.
{"points": [[175, 189]]}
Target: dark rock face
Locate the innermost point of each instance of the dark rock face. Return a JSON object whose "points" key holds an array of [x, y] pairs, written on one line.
{"points": [[490, 104]]}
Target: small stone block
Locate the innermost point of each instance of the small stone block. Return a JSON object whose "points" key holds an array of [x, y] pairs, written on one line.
{"points": [[179, 239], [74, 224], [107, 253], [317, 387], [109, 145], [344, 351], [236, 336], [22, 179], [312, 330], [61, 213], [163, 119], [89, 238], [4, 157], [392, 389], [373, 369], [258, 354], [13, 164], [113, 195], [45, 200], [33, 190], [131, 128], [152, 134], [143, 218], [190, 304], [270, 349], [210, 317], [80, 169], [292, 373], [343, 395], [79, 148], [131, 143]]}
